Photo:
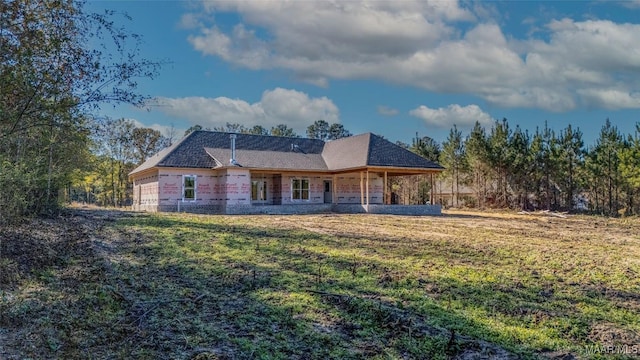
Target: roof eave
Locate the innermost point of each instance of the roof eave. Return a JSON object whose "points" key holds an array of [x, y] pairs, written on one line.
{"points": [[132, 174]]}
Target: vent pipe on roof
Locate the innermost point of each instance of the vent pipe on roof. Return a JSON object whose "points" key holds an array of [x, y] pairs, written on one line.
{"points": [[233, 150]]}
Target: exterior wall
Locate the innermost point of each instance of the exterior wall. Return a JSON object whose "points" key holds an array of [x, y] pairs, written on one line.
{"points": [[146, 192], [316, 188], [215, 190], [348, 189], [228, 191], [235, 187], [171, 191]]}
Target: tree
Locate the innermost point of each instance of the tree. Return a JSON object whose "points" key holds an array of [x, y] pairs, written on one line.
{"points": [[147, 142], [257, 130], [318, 130], [115, 145], [57, 63], [425, 147], [498, 142], [629, 158], [193, 128], [605, 163], [231, 128], [428, 149], [403, 144], [321, 129], [546, 159], [477, 157], [170, 135], [337, 131], [283, 130], [570, 160], [518, 165], [453, 159]]}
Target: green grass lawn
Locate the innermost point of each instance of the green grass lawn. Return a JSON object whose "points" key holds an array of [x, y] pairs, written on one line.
{"points": [[338, 286]]}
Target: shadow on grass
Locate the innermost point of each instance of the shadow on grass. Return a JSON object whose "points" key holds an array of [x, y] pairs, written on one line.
{"points": [[274, 294], [312, 258]]}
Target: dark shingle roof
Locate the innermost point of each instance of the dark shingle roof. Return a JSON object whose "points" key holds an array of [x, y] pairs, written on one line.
{"points": [[207, 149], [385, 153], [265, 159]]}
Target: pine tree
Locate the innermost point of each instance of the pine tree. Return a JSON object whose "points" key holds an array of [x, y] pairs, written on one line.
{"points": [[498, 143], [629, 167], [283, 130], [426, 147], [518, 165], [605, 159], [477, 154], [570, 161], [453, 159]]}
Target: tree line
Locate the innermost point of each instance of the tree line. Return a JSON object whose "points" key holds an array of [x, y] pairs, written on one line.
{"points": [[320, 129], [58, 64], [505, 166]]}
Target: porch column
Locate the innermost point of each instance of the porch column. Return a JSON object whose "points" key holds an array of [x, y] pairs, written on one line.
{"points": [[367, 191], [334, 194], [361, 189], [384, 191], [432, 197]]}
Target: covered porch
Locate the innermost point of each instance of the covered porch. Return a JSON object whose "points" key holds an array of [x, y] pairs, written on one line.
{"points": [[360, 190], [367, 197]]}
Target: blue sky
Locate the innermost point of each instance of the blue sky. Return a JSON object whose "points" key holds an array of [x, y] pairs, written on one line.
{"points": [[389, 67]]}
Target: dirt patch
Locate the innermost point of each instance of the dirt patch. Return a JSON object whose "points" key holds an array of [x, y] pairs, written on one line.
{"points": [[51, 283], [608, 334]]}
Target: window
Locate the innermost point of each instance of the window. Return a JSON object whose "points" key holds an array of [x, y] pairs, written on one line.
{"points": [[300, 189], [259, 190], [189, 188]]}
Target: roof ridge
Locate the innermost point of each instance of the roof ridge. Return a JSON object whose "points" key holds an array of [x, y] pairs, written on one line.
{"points": [[348, 137], [369, 142], [272, 136]]}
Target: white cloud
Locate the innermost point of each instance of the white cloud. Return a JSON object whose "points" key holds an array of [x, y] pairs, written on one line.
{"points": [[420, 43], [387, 111], [630, 4], [463, 116], [189, 21], [278, 106], [165, 130], [610, 98]]}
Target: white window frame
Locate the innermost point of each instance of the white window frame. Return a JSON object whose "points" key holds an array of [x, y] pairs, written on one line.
{"points": [[185, 187], [301, 189]]}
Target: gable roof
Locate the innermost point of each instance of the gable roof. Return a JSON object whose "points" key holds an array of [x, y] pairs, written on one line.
{"points": [[208, 149]]}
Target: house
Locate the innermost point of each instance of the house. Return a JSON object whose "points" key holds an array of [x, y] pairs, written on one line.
{"points": [[216, 172]]}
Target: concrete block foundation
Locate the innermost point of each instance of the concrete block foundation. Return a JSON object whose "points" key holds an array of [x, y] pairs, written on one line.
{"points": [[410, 210]]}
